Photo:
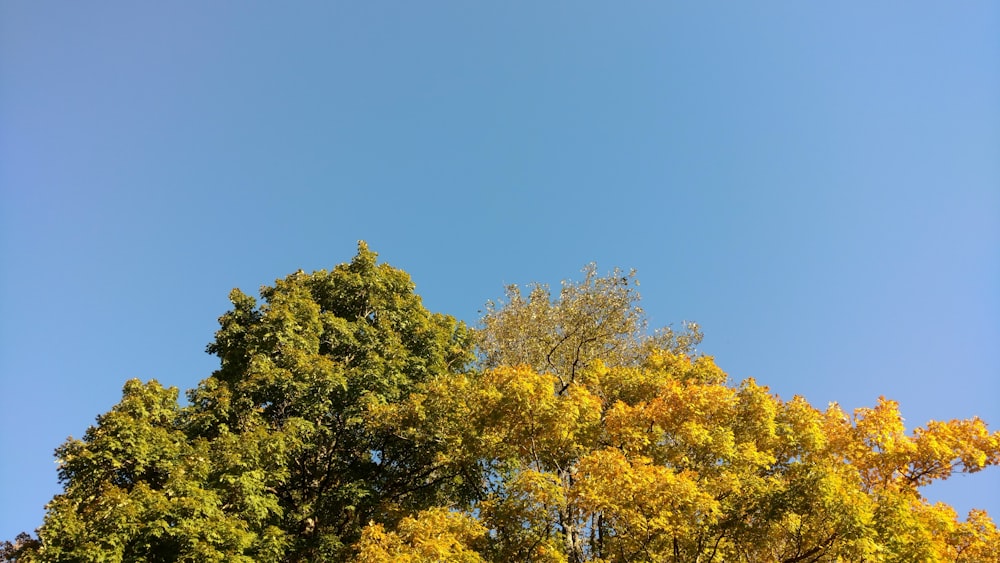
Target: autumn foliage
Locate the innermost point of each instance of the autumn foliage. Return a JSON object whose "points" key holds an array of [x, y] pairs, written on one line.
{"points": [[348, 423]]}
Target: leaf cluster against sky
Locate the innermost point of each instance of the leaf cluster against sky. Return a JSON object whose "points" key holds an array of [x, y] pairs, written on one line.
{"points": [[347, 422]]}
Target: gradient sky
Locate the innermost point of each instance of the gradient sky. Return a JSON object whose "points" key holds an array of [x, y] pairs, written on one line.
{"points": [[816, 184]]}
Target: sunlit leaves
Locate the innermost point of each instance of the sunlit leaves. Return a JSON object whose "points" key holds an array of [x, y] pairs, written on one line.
{"points": [[677, 464], [137, 488], [347, 422], [598, 318], [644, 507], [433, 535], [526, 418]]}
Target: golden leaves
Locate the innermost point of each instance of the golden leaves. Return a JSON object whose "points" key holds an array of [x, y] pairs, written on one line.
{"points": [[526, 418], [641, 499], [433, 535], [667, 459]]}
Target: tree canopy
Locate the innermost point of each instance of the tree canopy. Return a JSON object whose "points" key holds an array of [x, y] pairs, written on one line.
{"points": [[346, 422]]}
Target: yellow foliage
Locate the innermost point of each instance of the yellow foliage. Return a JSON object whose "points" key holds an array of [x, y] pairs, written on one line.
{"points": [[581, 438], [667, 460], [649, 505], [526, 418], [434, 535]]}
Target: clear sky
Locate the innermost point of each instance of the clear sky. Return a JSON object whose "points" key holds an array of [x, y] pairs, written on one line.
{"points": [[816, 183]]}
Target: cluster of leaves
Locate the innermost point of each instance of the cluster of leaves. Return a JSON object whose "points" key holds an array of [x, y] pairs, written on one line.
{"points": [[348, 423]]}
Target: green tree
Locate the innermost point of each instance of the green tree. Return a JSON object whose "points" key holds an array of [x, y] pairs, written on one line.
{"points": [[312, 369], [138, 489], [284, 452]]}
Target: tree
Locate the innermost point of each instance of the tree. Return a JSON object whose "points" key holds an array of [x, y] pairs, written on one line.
{"points": [[605, 444], [538, 349], [598, 318], [21, 549], [281, 454], [348, 423], [311, 370], [669, 462], [138, 489]]}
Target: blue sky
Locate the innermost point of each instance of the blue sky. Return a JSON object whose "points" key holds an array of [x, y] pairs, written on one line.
{"points": [[817, 185]]}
